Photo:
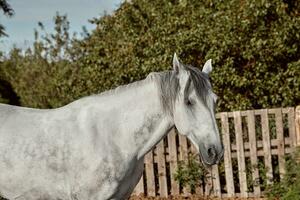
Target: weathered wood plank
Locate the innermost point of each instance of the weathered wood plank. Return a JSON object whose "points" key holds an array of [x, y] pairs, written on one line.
{"points": [[266, 145], [261, 152], [240, 153], [161, 168], [287, 141], [199, 188], [183, 148], [259, 143], [216, 181], [139, 189], [183, 156], [280, 138], [173, 161], [274, 142], [294, 125], [150, 178], [208, 183], [227, 155], [256, 112], [253, 152]]}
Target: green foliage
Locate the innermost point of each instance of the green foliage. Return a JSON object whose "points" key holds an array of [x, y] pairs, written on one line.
{"points": [[43, 76], [289, 187], [190, 172], [8, 11], [254, 46]]}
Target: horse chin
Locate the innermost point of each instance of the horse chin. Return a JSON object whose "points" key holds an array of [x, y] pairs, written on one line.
{"points": [[205, 162]]}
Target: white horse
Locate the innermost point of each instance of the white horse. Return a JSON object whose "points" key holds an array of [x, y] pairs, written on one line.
{"points": [[93, 148]]}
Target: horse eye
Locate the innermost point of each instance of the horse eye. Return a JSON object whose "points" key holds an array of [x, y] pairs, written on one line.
{"points": [[188, 102]]}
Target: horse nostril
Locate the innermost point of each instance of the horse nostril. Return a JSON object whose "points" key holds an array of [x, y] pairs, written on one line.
{"points": [[211, 152]]}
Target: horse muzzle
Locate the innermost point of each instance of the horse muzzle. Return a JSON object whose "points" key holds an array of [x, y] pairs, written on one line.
{"points": [[211, 154]]}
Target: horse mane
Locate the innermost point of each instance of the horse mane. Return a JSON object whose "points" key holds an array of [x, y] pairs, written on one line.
{"points": [[168, 86]]}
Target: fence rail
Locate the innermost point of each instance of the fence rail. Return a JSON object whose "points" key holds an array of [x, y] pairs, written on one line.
{"points": [[255, 144]]}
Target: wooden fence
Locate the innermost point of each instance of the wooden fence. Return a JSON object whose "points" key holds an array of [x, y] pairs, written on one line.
{"points": [[255, 144]]}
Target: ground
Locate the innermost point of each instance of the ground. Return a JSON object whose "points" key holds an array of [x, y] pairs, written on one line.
{"points": [[194, 197]]}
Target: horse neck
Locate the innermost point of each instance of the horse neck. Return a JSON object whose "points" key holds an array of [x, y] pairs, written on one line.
{"points": [[133, 115], [142, 115], [153, 122]]}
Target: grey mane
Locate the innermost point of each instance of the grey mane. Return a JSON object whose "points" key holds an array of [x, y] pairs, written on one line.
{"points": [[169, 86], [169, 89], [200, 82]]}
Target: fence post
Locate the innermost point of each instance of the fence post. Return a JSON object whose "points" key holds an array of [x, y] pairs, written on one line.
{"points": [[253, 152], [227, 155], [297, 124], [173, 161], [267, 145], [161, 169], [280, 139], [240, 153], [139, 189], [183, 156], [150, 176]]}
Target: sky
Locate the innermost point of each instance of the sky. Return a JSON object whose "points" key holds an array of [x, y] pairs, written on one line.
{"points": [[28, 13]]}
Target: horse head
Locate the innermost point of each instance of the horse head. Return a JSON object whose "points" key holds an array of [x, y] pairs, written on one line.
{"points": [[194, 110]]}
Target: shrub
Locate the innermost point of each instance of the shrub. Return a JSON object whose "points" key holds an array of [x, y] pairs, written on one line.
{"points": [[254, 46], [190, 172], [289, 187]]}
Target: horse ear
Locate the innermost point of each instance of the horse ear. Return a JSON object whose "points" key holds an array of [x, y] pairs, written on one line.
{"points": [[176, 64], [207, 67]]}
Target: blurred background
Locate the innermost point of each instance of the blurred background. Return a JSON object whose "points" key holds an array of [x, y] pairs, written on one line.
{"points": [[53, 52]]}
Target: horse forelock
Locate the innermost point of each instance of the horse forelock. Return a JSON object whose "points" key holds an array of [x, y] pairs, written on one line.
{"points": [[200, 82], [169, 87]]}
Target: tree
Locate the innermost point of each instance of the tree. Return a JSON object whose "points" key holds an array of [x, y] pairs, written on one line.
{"points": [[8, 11], [7, 95], [254, 46], [47, 65]]}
